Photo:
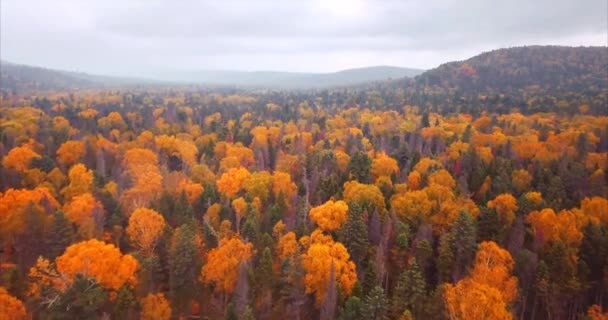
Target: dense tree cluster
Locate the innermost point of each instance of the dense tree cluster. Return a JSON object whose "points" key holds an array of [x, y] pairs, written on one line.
{"points": [[177, 203]]}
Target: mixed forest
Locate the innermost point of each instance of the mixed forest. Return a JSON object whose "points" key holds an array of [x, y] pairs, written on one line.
{"points": [[477, 190]]}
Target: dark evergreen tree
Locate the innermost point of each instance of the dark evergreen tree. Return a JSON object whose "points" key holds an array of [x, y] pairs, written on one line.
{"points": [[183, 268], [464, 233], [360, 166], [410, 292], [354, 234], [83, 299], [59, 235], [351, 310], [375, 305]]}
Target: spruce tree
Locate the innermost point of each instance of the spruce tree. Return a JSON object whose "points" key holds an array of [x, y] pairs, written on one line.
{"points": [[354, 234], [464, 234], [183, 267], [60, 235], [360, 166], [375, 305], [409, 292]]}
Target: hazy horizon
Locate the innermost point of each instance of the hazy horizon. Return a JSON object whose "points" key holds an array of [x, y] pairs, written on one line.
{"points": [[151, 38]]}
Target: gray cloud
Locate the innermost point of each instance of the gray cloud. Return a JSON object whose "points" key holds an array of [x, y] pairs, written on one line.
{"points": [[141, 37]]}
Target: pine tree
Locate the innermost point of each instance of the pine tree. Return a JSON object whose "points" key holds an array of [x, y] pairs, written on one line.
{"points": [[125, 303], [264, 273], [183, 267], [375, 305], [354, 234], [59, 236], [230, 313], [360, 166], [409, 292], [352, 309], [445, 260], [489, 225], [464, 233], [370, 278]]}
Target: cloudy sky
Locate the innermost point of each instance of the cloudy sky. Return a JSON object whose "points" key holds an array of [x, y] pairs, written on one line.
{"points": [[143, 37]]}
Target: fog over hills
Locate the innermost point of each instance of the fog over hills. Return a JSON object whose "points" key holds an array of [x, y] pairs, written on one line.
{"points": [[22, 77]]}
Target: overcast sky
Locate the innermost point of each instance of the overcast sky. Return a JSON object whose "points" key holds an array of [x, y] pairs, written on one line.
{"points": [[142, 37]]}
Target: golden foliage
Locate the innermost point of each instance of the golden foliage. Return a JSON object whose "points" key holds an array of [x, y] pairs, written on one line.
{"points": [[259, 184], [85, 211], [330, 215], [361, 193], [287, 246], [145, 228], [414, 205], [318, 260], [223, 263], [489, 288], [231, 182], [155, 306], [442, 177], [70, 152], [505, 205], [281, 183], [19, 158], [551, 227], [81, 180], [383, 165], [521, 180], [99, 260], [11, 308]]}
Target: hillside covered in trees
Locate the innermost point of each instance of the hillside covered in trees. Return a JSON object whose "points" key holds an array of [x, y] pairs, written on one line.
{"points": [[176, 202]]}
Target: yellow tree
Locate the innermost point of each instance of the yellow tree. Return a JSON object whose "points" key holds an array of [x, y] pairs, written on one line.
{"points": [[223, 263], [104, 262], [87, 213], [81, 180], [414, 180], [231, 182], [281, 182], [487, 291], [521, 180], [142, 166], [317, 261], [145, 228], [362, 193], [70, 152], [11, 308], [442, 177], [259, 185], [239, 205], [14, 204], [413, 205], [330, 215], [19, 158], [287, 246], [155, 306], [506, 206], [383, 165]]}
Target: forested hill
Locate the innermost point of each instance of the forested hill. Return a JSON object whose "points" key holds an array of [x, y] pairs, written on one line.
{"points": [[533, 78], [21, 79]]}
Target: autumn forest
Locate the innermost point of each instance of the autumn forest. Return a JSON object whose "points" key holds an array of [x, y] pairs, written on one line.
{"points": [[476, 190]]}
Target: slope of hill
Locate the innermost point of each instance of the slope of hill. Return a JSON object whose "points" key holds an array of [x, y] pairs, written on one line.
{"points": [[19, 78], [538, 77]]}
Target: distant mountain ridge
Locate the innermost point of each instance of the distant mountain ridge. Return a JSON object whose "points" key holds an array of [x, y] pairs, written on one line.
{"points": [[23, 77], [295, 80]]}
